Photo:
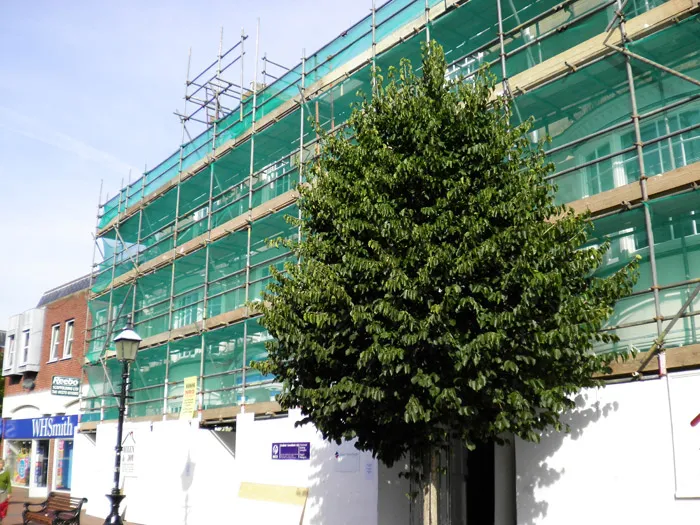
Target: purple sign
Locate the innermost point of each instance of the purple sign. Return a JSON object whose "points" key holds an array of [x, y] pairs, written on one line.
{"points": [[291, 450]]}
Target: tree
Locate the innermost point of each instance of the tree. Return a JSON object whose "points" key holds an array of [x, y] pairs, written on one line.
{"points": [[441, 293]]}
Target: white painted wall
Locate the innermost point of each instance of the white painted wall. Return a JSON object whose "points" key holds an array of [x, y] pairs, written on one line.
{"points": [[617, 464], [183, 474], [84, 460], [335, 497], [394, 506], [38, 404]]}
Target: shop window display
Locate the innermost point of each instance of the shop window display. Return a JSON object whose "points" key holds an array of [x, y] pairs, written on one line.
{"points": [[41, 463], [64, 463], [19, 461]]}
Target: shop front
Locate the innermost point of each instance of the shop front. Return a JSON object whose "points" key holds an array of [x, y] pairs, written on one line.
{"points": [[39, 452]]}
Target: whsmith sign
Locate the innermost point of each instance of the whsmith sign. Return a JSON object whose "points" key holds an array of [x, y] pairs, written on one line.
{"points": [[40, 427], [65, 386]]}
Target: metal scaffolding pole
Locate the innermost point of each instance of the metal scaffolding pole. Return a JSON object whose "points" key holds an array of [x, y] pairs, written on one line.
{"points": [[374, 49], [427, 20], [177, 198], [504, 73], [88, 331], [302, 91], [250, 207], [240, 105], [642, 181]]}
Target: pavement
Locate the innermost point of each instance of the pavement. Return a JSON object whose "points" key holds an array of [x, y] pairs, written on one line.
{"points": [[19, 498]]}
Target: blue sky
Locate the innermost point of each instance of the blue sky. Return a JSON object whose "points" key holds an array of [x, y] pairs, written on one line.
{"points": [[87, 93]]}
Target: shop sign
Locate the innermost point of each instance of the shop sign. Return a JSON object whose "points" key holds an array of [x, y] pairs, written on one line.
{"points": [[291, 450], [189, 398], [128, 465], [65, 386], [40, 427]]}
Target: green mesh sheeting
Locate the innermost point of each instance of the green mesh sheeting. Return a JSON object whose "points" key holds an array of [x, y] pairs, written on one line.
{"points": [[223, 364], [174, 295], [219, 357], [469, 35], [227, 275], [184, 360], [676, 228], [147, 377], [103, 382], [570, 109], [626, 233], [259, 388], [152, 302], [587, 113], [263, 256], [597, 97]]}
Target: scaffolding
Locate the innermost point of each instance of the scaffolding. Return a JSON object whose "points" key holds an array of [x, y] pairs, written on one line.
{"points": [[182, 249]]}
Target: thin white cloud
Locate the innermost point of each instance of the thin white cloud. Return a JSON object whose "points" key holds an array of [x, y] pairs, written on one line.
{"points": [[40, 131]]}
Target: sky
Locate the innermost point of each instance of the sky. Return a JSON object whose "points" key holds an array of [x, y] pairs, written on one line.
{"points": [[87, 95]]}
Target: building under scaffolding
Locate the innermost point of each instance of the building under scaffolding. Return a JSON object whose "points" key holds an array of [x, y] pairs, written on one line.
{"points": [[615, 84]]}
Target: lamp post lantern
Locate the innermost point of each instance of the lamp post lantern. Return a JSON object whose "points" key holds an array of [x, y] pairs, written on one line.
{"points": [[127, 345]]}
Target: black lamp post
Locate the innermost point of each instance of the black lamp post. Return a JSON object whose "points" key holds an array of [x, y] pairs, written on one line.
{"points": [[127, 345]]}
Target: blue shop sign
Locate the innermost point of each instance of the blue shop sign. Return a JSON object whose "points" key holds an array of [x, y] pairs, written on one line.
{"points": [[297, 451], [40, 427]]}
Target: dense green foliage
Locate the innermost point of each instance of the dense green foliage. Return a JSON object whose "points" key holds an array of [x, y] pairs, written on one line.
{"points": [[440, 292]]}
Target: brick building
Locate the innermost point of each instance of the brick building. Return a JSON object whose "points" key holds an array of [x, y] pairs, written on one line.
{"points": [[42, 369]]}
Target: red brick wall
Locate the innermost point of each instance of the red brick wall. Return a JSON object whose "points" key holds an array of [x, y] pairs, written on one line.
{"points": [[71, 307]]}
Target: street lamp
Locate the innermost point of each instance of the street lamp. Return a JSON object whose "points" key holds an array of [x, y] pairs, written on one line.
{"points": [[127, 344]]}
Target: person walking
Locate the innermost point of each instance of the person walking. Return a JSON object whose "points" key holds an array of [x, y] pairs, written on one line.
{"points": [[5, 490]]}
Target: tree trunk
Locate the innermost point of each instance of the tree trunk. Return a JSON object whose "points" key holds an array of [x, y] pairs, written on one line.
{"points": [[430, 488]]}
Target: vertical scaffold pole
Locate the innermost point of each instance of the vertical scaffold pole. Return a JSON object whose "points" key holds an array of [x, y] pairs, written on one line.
{"points": [[205, 295], [240, 106], [643, 187], [427, 21], [177, 198], [87, 332], [374, 47], [250, 207], [110, 321], [504, 72], [138, 249], [302, 104]]}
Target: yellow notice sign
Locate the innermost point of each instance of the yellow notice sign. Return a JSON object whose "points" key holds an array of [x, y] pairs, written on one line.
{"points": [[189, 399]]}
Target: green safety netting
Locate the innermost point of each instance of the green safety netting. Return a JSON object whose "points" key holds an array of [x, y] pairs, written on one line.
{"points": [[219, 356], [103, 380], [676, 228], [589, 101], [184, 360], [147, 378], [569, 111], [274, 163], [469, 35], [174, 295], [596, 98], [358, 39], [227, 276]]}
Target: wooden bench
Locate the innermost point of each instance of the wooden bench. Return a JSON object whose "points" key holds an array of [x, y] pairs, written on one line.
{"points": [[58, 509]]}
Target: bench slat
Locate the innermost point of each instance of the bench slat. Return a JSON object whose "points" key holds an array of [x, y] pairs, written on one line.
{"points": [[55, 503]]}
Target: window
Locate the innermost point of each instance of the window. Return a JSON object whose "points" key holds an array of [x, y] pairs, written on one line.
{"points": [[68, 341], [25, 346], [63, 458], [55, 334], [10, 350]]}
